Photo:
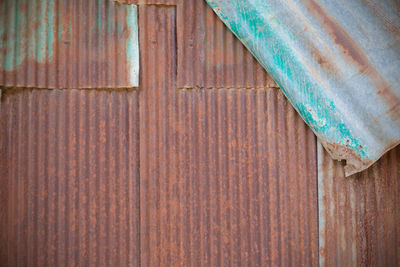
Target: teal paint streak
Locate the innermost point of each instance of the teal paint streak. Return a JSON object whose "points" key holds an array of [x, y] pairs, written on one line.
{"points": [[50, 30], [2, 24], [46, 32], [21, 20], [110, 20], [99, 21], [11, 35], [41, 33], [60, 30]]}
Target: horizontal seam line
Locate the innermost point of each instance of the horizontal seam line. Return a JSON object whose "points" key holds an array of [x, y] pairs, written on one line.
{"points": [[227, 87]]}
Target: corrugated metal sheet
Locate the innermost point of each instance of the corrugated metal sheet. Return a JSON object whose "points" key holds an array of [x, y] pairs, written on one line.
{"points": [[69, 178], [68, 44], [337, 62], [227, 176], [209, 55], [359, 216]]}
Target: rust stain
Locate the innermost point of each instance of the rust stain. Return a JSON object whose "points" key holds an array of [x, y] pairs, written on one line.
{"points": [[322, 59], [356, 55]]}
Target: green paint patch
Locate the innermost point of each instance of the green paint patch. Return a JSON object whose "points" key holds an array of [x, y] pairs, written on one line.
{"points": [[22, 42]]}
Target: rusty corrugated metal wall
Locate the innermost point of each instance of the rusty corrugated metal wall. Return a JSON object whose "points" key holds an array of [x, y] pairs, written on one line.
{"points": [[206, 163]]}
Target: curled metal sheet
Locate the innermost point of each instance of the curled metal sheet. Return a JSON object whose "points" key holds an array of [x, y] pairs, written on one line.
{"points": [[338, 62], [68, 44]]}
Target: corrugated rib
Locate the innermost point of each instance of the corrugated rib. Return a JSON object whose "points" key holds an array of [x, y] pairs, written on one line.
{"points": [[210, 56], [68, 44], [69, 178], [359, 216], [227, 177]]}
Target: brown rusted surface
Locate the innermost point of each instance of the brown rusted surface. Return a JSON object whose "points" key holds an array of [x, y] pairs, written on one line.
{"points": [[66, 44], [210, 56], [227, 176], [359, 216], [69, 178]]}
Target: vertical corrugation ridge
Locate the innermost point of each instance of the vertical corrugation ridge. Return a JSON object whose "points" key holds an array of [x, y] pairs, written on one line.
{"points": [[359, 215], [62, 150], [209, 55], [45, 45], [221, 181]]}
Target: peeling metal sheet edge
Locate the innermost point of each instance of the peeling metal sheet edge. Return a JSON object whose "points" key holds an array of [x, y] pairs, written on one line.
{"points": [[351, 101], [132, 45]]}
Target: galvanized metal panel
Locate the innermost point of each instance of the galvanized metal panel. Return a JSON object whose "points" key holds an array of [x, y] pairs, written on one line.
{"points": [[208, 54], [227, 176], [69, 181], [68, 44], [359, 216], [337, 62]]}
